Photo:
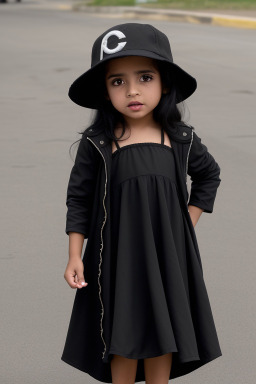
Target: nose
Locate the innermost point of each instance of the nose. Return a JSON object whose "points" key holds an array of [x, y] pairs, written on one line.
{"points": [[132, 90]]}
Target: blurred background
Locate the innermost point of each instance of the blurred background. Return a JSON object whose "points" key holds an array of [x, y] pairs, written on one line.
{"points": [[44, 46]]}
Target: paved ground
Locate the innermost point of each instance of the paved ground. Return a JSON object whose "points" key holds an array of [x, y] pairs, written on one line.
{"points": [[42, 51]]}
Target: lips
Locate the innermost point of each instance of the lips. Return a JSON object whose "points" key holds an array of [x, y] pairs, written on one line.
{"points": [[134, 103]]}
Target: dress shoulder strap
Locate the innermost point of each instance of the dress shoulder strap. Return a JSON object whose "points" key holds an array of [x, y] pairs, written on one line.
{"points": [[116, 143], [162, 135]]}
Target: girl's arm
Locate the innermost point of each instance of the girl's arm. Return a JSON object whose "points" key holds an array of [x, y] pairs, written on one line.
{"points": [[80, 191], [204, 172]]}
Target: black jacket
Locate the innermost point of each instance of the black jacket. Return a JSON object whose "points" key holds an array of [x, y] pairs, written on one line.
{"points": [[88, 202]]}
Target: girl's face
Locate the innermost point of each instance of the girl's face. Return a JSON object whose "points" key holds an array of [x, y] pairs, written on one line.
{"points": [[134, 86]]}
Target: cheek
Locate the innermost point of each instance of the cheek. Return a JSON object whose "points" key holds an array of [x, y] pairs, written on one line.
{"points": [[156, 92], [114, 94], [156, 87], [159, 87]]}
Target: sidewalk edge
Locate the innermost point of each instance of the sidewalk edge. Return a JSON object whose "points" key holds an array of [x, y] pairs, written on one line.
{"points": [[169, 15]]}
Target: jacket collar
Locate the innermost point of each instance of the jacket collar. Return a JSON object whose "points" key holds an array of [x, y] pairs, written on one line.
{"points": [[182, 134]]}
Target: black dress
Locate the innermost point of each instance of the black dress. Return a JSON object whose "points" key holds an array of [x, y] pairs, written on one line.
{"points": [[160, 299]]}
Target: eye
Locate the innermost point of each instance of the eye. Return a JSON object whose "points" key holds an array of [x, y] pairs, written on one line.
{"points": [[117, 82], [146, 78]]}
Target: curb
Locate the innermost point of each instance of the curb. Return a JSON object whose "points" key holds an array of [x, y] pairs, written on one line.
{"points": [[169, 15]]}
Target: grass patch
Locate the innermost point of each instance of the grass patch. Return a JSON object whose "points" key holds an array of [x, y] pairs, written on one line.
{"points": [[181, 4]]}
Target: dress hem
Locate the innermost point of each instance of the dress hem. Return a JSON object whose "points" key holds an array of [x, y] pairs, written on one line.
{"points": [[129, 355], [88, 371], [165, 351]]}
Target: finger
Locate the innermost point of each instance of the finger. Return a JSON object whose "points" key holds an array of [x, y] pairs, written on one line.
{"points": [[80, 279]]}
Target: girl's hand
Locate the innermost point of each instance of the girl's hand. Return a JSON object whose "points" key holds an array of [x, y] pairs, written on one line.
{"points": [[74, 273], [195, 213]]}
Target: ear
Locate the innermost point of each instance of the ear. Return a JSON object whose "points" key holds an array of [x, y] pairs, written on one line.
{"points": [[165, 90]]}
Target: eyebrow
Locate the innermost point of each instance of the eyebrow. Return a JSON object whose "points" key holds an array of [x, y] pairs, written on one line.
{"points": [[137, 73]]}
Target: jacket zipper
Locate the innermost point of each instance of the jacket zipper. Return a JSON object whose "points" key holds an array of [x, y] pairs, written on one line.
{"points": [[104, 221], [192, 133]]}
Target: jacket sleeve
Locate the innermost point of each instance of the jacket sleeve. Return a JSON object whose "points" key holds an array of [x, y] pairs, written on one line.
{"points": [[81, 189], [204, 173]]}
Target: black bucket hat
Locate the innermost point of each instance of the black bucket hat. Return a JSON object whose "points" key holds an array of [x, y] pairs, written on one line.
{"points": [[130, 39]]}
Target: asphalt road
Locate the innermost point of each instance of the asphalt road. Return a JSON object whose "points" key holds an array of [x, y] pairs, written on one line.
{"points": [[43, 50]]}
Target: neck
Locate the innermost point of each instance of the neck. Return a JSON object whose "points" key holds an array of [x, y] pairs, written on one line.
{"points": [[141, 124]]}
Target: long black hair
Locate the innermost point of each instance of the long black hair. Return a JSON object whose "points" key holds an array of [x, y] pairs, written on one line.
{"points": [[167, 113]]}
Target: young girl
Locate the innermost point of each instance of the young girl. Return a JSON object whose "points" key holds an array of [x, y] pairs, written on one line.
{"points": [[141, 311]]}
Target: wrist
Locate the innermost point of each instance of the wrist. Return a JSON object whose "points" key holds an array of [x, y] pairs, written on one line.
{"points": [[74, 256], [76, 241]]}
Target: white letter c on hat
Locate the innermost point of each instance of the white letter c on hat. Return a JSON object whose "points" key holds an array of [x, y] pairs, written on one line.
{"points": [[104, 47]]}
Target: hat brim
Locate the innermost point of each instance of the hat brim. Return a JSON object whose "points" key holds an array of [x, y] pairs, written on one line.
{"points": [[87, 90]]}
